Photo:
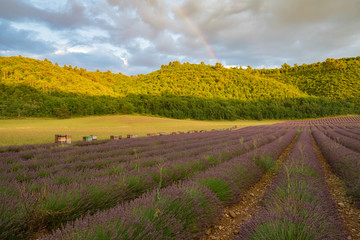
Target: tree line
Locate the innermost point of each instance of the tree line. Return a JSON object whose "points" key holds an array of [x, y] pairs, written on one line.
{"points": [[25, 101]]}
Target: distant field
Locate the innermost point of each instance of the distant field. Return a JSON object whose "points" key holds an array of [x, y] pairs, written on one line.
{"points": [[34, 131]]}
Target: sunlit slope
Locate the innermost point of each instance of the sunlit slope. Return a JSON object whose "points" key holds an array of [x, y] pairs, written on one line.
{"points": [[203, 81], [207, 81], [49, 77], [333, 78]]}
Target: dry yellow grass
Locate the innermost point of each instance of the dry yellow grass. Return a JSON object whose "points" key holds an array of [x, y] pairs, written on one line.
{"points": [[34, 131]]}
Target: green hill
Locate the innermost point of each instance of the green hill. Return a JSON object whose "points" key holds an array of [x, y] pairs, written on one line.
{"points": [[206, 81], [333, 78], [31, 87], [45, 76], [179, 79]]}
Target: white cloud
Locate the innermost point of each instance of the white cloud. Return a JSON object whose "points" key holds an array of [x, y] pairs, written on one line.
{"points": [[51, 5], [75, 49], [125, 61], [40, 32], [142, 43]]}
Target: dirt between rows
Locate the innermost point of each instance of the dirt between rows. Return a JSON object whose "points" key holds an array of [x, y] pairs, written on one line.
{"points": [[234, 216]]}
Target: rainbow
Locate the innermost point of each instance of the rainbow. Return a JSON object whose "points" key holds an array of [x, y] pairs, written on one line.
{"points": [[197, 30]]}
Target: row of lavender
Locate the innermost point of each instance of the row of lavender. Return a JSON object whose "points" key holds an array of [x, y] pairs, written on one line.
{"points": [[344, 161], [298, 204], [338, 121], [181, 210], [41, 201], [339, 141], [345, 136]]}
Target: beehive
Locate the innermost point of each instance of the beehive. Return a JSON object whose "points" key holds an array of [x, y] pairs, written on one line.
{"points": [[62, 138], [151, 134], [93, 137], [132, 136], [68, 138], [87, 138], [56, 138], [115, 137], [162, 134]]}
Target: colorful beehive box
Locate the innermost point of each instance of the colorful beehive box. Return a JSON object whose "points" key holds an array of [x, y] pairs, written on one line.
{"points": [[93, 137], [87, 138], [63, 138], [132, 136], [162, 134], [151, 134], [68, 138], [115, 137]]}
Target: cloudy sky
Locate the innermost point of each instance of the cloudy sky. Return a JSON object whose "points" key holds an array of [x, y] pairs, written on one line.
{"points": [[138, 36]]}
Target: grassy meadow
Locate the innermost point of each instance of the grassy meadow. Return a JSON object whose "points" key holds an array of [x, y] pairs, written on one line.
{"points": [[37, 130]]}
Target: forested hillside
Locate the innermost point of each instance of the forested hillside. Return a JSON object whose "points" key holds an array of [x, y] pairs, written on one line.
{"points": [[48, 77], [206, 81], [42, 89], [334, 78]]}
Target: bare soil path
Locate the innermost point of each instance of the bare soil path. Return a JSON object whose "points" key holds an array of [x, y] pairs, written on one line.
{"points": [[236, 215], [349, 213]]}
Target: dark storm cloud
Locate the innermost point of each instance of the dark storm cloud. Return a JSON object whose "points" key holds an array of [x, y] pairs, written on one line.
{"points": [[141, 35]]}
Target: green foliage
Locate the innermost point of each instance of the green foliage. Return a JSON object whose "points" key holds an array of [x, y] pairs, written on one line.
{"points": [[18, 99], [265, 163], [205, 81], [282, 231], [334, 78], [33, 88], [212, 159], [223, 190]]}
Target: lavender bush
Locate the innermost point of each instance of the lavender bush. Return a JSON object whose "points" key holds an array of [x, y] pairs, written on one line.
{"points": [[344, 161], [348, 142], [177, 212], [298, 204]]}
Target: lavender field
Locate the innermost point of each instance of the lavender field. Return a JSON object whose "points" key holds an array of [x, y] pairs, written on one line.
{"points": [[175, 186]]}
